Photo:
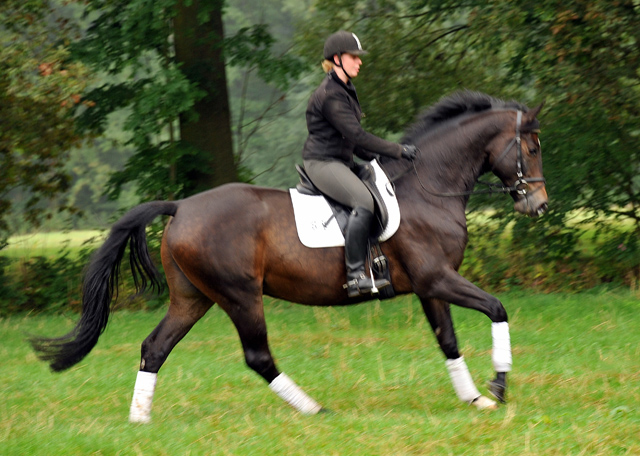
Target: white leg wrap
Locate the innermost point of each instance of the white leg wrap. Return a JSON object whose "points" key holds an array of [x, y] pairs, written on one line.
{"points": [[501, 355], [461, 379], [284, 387], [142, 397]]}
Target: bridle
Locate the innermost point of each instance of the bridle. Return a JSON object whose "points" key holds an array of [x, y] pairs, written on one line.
{"points": [[520, 186]]}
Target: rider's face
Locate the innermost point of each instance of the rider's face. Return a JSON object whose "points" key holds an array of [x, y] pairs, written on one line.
{"points": [[350, 64]]}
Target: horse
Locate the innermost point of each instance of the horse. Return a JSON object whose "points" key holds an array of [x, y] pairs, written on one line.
{"points": [[235, 243]]}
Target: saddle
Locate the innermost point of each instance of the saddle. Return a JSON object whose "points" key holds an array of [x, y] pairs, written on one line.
{"points": [[378, 262], [341, 212]]}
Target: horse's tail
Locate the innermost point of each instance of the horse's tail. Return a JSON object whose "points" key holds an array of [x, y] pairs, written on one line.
{"points": [[101, 282]]}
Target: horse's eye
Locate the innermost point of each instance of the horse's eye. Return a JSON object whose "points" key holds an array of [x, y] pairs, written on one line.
{"points": [[536, 139], [536, 142]]}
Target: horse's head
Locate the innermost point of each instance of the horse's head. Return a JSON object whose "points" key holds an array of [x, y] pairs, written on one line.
{"points": [[515, 157]]}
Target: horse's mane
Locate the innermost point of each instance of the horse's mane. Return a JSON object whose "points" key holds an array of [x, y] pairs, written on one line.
{"points": [[452, 107]]}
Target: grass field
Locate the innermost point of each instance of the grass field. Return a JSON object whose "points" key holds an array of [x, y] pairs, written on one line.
{"points": [[49, 244], [575, 387]]}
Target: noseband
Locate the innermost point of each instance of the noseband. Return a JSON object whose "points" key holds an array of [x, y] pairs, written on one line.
{"points": [[520, 186]]}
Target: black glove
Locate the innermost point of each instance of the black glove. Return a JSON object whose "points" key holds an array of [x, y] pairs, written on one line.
{"points": [[409, 151]]}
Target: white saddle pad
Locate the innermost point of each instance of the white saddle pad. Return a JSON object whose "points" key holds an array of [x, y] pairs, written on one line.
{"points": [[318, 228]]}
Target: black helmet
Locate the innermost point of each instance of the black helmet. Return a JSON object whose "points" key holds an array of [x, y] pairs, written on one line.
{"points": [[342, 43]]}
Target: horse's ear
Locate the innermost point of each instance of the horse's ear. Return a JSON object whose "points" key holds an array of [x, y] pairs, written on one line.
{"points": [[532, 114]]}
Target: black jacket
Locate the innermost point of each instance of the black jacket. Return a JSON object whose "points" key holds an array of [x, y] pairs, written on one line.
{"points": [[335, 133]]}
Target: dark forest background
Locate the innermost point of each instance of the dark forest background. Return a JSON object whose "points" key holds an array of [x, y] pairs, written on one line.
{"points": [[107, 103]]}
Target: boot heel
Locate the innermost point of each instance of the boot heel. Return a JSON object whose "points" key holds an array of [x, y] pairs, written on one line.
{"points": [[361, 285]]}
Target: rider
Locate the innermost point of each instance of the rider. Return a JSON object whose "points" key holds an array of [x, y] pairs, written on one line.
{"points": [[335, 135]]}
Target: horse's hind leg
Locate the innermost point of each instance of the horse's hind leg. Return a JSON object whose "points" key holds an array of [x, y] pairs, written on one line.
{"points": [[187, 306], [247, 314], [439, 315]]}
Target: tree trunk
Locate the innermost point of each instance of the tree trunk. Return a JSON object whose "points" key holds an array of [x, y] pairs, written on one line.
{"points": [[199, 49]]}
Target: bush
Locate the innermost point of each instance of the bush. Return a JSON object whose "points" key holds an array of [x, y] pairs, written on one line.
{"points": [[549, 259], [529, 256], [41, 284]]}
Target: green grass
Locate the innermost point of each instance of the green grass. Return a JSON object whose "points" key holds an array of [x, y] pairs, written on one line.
{"points": [[575, 387], [49, 244]]}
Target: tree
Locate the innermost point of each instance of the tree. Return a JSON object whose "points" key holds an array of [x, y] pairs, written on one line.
{"points": [[39, 88], [580, 56], [418, 52], [167, 64], [199, 53], [583, 57]]}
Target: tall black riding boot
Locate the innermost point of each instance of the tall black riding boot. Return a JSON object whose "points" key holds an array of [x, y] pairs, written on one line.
{"points": [[356, 243]]}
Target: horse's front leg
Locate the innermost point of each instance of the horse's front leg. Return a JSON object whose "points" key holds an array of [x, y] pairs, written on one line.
{"points": [[452, 287], [439, 315]]}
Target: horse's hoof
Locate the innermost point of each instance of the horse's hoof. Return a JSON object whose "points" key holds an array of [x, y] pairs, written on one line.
{"points": [[498, 390], [326, 411], [484, 403]]}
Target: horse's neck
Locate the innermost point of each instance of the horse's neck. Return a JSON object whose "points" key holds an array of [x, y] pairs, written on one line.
{"points": [[451, 160]]}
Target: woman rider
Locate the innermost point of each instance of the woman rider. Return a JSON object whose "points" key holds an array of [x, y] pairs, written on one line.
{"points": [[335, 135]]}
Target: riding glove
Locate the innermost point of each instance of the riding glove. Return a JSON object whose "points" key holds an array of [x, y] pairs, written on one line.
{"points": [[409, 151]]}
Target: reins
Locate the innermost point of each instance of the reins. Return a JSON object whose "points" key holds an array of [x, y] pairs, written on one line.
{"points": [[520, 186]]}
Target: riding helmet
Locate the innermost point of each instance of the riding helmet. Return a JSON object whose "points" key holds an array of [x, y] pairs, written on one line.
{"points": [[342, 42]]}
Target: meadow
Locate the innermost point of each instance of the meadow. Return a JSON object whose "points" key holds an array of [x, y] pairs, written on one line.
{"points": [[574, 389], [50, 244]]}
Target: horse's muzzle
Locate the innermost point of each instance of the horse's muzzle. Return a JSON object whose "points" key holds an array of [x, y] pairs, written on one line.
{"points": [[533, 203]]}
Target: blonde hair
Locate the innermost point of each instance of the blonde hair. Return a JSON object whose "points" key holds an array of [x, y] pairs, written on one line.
{"points": [[327, 65]]}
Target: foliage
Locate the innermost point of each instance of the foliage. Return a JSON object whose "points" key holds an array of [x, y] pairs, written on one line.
{"points": [[53, 283], [498, 259], [579, 56], [131, 41], [45, 284], [542, 259], [617, 255], [252, 48], [128, 41], [418, 52], [90, 167], [10, 294], [268, 118], [582, 56], [39, 88]]}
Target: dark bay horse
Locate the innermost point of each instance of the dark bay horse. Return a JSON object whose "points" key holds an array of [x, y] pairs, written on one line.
{"points": [[235, 243]]}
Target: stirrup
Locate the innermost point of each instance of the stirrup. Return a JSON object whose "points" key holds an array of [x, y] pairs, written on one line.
{"points": [[363, 284], [359, 286], [381, 283]]}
